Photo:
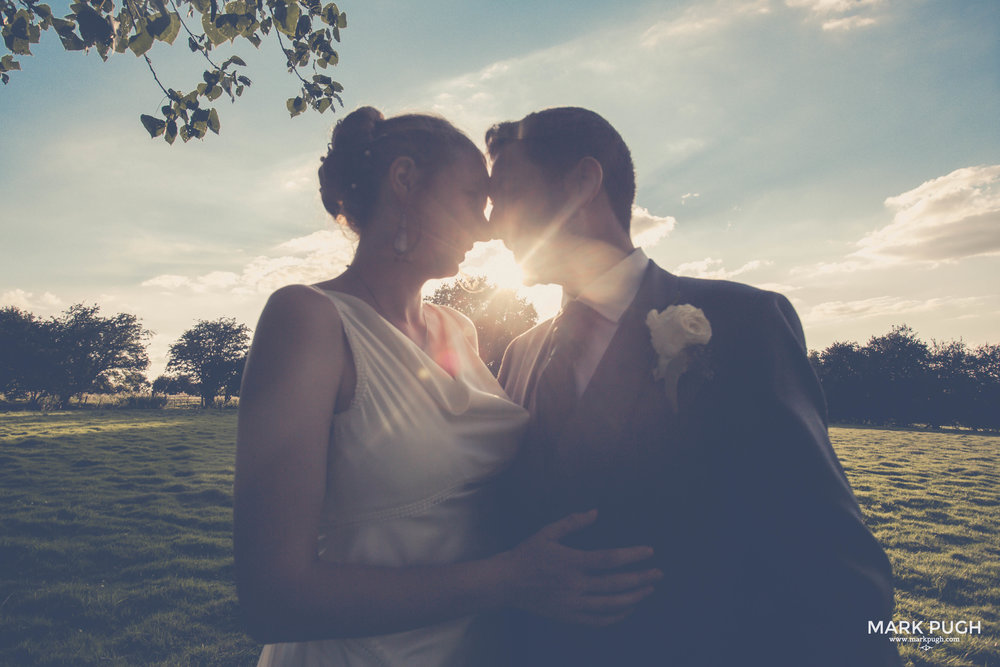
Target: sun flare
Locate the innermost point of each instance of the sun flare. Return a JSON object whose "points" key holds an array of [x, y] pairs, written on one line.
{"points": [[493, 260]]}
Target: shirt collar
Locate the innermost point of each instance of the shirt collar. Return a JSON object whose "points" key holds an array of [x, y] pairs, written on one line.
{"points": [[611, 293]]}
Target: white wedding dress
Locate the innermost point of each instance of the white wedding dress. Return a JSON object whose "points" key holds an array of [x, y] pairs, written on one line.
{"points": [[409, 476]]}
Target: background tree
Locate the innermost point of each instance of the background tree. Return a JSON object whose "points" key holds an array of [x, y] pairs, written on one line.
{"points": [[985, 412], [27, 357], [898, 377], [121, 382], [92, 352], [843, 371], [309, 26], [499, 314], [173, 385], [951, 370], [211, 354]]}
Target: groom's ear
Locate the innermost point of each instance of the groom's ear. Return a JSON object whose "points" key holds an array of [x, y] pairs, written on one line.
{"points": [[584, 180], [403, 176]]}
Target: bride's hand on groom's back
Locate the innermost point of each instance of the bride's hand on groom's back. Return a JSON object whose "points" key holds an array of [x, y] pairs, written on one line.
{"points": [[574, 586]]}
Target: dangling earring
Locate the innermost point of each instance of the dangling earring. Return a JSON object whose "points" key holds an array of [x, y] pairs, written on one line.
{"points": [[401, 242]]}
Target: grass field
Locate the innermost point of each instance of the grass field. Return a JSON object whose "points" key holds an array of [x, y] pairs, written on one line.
{"points": [[115, 536]]}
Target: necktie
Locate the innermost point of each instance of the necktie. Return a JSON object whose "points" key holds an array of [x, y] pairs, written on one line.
{"points": [[551, 401], [555, 391]]}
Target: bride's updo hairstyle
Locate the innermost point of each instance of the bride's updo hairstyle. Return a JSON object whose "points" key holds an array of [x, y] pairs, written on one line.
{"points": [[365, 144]]}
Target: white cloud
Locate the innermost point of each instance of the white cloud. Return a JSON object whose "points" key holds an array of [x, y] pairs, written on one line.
{"points": [[839, 14], [699, 19], [836, 311], [298, 177], [689, 195], [307, 259], [827, 7], [649, 229], [324, 240], [848, 23], [945, 219], [845, 266], [777, 287], [45, 303], [620, 71], [167, 281], [712, 268]]}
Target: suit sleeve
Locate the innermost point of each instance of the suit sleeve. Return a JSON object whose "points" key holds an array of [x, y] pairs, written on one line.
{"points": [[811, 561]]}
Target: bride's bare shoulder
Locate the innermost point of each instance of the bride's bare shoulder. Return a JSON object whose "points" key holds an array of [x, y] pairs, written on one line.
{"points": [[298, 307]]}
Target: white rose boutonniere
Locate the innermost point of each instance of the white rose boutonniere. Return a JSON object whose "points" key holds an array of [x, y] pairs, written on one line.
{"points": [[674, 332]]}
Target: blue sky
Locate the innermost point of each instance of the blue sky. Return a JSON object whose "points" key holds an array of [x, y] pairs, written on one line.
{"points": [[843, 152]]}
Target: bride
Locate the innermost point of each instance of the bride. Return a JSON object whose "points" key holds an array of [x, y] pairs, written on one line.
{"points": [[370, 432]]}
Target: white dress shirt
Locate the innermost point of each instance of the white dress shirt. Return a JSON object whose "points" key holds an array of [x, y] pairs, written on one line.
{"points": [[610, 294]]}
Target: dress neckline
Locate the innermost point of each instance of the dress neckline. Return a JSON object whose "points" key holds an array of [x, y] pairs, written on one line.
{"points": [[434, 330]]}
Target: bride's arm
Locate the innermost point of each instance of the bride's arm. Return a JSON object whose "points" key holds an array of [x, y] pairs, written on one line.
{"points": [[293, 376]]}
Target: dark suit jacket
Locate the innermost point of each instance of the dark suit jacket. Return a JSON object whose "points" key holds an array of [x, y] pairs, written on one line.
{"points": [[766, 557]]}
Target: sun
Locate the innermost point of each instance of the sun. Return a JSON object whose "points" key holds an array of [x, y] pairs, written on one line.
{"points": [[493, 260]]}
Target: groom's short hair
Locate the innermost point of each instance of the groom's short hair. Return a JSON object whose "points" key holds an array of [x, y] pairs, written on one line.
{"points": [[557, 139]]}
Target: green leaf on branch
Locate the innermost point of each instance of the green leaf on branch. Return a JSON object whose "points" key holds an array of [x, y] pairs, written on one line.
{"points": [[227, 25], [165, 27], [71, 42], [296, 105], [124, 29], [103, 49], [303, 27], [286, 17], [119, 25], [213, 121], [330, 14], [154, 126], [215, 36], [7, 64], [20, 33], [95, 29], [171, 132], [140, 43]]}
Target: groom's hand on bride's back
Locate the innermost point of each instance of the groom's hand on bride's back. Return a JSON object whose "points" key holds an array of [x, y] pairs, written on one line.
{"points": [[585, 587]]}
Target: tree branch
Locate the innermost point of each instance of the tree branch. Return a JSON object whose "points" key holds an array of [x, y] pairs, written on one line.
{"points": [[149, 63], [201, 48], [291, 66]]}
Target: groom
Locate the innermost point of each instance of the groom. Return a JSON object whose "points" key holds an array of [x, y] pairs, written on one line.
{"points": [[700, 431]]}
